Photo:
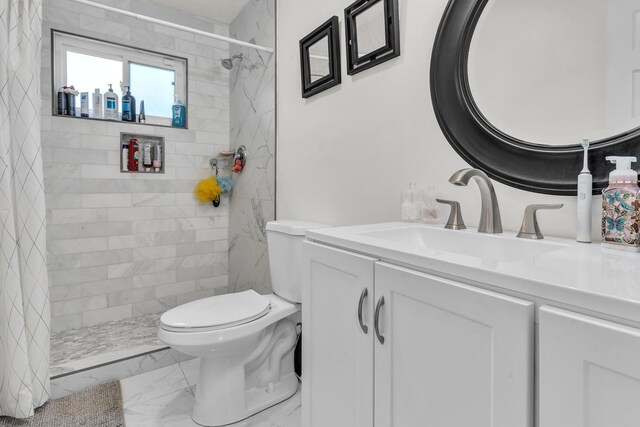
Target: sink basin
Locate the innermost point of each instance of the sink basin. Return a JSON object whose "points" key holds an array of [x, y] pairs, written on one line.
{"points": [[469, 244]]}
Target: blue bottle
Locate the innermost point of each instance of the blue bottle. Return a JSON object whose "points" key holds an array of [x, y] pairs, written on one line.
{"points": [[179, 114], [128, 106]]}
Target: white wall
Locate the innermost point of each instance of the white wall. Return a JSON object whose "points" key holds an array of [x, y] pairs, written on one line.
{"points": [[345, 155]]}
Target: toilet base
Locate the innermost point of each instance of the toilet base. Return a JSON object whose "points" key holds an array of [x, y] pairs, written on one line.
{"points": [[230, 390], [257, 400]]}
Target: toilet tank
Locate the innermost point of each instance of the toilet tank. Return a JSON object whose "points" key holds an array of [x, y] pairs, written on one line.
{"points": [[284, 240]]}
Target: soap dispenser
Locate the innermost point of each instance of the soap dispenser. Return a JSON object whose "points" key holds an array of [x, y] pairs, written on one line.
{"points": [[408, 209], [621, 206]]}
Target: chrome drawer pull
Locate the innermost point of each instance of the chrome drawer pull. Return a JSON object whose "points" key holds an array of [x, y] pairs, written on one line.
{"points": [[376, 320], [363, 296]]}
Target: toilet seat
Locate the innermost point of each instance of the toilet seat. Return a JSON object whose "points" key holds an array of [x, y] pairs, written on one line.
{"points": [[215, 313]]}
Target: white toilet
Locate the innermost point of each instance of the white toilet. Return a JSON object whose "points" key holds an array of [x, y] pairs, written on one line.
{"points": [[245, 339]]}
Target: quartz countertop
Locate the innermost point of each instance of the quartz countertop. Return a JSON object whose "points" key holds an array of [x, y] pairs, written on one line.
{"points": [[589, 276]]}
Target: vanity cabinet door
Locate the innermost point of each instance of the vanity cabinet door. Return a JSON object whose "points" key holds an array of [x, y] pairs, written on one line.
{"points": [[589, 372], [337, 364], [453, 355]]}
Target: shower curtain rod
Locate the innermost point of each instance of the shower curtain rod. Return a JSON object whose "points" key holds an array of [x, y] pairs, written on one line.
{"points": [[176, 26]]}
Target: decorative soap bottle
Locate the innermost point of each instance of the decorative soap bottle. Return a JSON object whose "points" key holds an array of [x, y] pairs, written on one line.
{"points": [[621, 207], [408, 210]]}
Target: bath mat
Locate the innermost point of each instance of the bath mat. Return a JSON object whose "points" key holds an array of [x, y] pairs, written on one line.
{"points": [[99, 406]]}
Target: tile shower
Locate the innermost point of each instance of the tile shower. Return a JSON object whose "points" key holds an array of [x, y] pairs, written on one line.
{"points": [[252, 95], [122, 249]]}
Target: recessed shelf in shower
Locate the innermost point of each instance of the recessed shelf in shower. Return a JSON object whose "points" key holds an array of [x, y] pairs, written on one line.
{"points": [[142, 153]]}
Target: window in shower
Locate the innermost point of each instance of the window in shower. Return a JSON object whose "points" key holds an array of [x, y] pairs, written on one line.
{"points": [[89, 64]]}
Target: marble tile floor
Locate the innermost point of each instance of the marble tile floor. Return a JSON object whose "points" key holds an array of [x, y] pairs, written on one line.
{"points": [[76, 349], [164, 398]]}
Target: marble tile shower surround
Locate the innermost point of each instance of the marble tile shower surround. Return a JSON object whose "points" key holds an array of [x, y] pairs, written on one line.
{"points": [[252, 96], [122, 245]]}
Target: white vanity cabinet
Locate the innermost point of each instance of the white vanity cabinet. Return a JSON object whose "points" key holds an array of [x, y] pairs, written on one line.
{"points": [[427, 351], [337, 360], [453, 355], [589, 371]]}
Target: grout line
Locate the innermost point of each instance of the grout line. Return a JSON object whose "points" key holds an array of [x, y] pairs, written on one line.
{"points": [[183, 373], [143, 401]]}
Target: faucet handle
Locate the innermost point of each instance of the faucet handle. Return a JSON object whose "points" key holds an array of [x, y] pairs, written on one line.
{"points": [[455, 221], [530, 228]]}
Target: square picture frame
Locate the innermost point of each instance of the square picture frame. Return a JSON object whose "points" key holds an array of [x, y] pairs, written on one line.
{"points": [[314, 63], [388, 26]]}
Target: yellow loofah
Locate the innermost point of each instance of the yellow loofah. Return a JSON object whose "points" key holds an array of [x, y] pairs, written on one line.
{"points": [[208, 190]]}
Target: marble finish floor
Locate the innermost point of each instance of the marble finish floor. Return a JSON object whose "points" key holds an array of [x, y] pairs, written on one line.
{"points": [[164, 398], [77, 349]]}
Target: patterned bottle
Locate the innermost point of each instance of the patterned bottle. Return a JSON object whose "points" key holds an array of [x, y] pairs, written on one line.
{"points": [[621, 207]]}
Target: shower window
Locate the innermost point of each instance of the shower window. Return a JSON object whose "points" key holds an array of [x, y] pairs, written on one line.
{"points": [[90, 64]]}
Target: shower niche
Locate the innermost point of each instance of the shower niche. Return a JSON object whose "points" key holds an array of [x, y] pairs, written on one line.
{"points": [[141, 153]]}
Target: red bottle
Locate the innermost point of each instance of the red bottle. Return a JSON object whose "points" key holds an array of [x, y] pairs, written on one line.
{"points": [[134, 155]]}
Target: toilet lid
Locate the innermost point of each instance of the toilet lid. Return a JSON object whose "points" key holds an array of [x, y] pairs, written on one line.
{"points": [[219, 312]]}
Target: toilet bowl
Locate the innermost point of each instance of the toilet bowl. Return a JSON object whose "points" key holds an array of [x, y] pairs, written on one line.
{"points": [[245, 340]]}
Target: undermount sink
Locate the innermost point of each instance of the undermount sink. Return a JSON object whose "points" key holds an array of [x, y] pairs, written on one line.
{"points": [[439, 242]]}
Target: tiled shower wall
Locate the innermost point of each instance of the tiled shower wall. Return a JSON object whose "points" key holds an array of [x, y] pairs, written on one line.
{"points": [[252, 94], [120, 245]]}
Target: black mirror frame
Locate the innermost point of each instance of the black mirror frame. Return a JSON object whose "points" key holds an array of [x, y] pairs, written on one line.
{"points": [[516, 163], [390, 50], [331, 30]]}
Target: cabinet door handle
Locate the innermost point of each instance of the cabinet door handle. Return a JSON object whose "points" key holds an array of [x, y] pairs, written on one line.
{"points": [[376, 320], [363, 296]]}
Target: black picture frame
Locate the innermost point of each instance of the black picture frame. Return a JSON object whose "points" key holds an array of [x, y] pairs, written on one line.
{"points": [[331, 30], [391, 49], [521, 164]]}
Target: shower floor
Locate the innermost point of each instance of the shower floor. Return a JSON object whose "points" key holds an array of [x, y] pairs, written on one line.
{"points": [[80, 349]]}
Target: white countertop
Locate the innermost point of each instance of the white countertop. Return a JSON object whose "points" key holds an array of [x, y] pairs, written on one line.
{"points": [[582, 275]]}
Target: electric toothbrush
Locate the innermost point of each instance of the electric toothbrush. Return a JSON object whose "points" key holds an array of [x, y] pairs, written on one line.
{"points": [[585, 189]]}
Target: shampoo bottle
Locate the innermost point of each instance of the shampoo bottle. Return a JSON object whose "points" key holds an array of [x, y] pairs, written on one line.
{"points": [[157, 157], [84, 104], [179, 113], [62, 103], [110, 104], [97, 104], [133, 155], [147, 156], [621, 206], [71, 103], [128, 106]]}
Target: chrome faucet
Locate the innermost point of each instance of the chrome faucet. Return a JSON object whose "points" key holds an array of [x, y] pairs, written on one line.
{"points": [[490, 221]]}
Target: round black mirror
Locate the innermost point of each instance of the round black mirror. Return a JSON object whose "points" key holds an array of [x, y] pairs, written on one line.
{"points": [[481, 129]]}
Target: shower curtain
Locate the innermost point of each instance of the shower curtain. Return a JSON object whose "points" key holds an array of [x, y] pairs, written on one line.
{"points": [[24, 299]]}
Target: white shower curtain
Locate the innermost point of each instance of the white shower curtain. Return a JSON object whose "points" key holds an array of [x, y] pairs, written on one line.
{"points": [[24, 298]]}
